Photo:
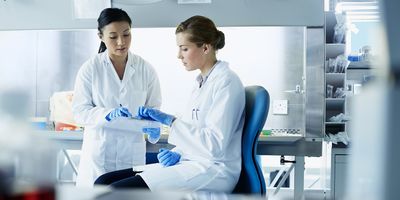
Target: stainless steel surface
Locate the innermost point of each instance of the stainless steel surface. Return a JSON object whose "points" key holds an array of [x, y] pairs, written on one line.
{"points": [[252, 12], [315, 81], [50, 14], [46, 62], [298, 148]]}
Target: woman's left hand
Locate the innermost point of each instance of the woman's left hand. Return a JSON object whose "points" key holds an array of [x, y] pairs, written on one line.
{"points": [[167, 157]]}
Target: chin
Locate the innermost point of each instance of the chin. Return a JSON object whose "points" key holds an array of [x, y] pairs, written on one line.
{"points": [[188, 68], [120, 53]]}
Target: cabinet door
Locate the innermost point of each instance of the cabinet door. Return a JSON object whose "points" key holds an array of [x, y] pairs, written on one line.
{"points": [[340, 176]]}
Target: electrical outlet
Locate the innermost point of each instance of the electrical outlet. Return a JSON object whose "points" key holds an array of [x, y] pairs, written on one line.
{"points": [[280, 107]]}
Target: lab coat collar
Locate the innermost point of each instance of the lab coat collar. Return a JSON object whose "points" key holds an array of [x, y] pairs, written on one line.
{"points": [[202, 79], [219, 67], [129, 69]]}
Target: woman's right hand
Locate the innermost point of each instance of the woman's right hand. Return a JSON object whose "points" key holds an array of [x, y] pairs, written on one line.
{"points": [[118, 112]]}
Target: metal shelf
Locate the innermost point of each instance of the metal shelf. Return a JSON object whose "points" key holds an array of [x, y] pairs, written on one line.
{"points": [[335, 103], [359, 65], [335, 123], [334, 49]]}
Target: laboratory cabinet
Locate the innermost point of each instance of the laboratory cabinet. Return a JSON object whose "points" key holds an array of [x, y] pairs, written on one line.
{"points": [[335, 80], [339, 166], [335, 105], [341, 86]]}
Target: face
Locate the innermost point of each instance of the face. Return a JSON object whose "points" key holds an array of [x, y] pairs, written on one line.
{"points": [[192, 56], [117, 38]]}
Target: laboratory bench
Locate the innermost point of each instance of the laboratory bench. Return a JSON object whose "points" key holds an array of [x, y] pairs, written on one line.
{"points": [[105, 193], [72, 140], [293, 145]]}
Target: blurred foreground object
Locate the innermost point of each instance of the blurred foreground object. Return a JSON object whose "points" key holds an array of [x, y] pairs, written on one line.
{"points": [[374, 164], [24, 159]]}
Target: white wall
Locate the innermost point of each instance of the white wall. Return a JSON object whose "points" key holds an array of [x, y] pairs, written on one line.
{"points": [[258, 55]]}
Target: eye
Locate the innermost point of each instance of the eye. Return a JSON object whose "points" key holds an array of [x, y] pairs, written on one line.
{"points": [[113, 38], [127, 34]]}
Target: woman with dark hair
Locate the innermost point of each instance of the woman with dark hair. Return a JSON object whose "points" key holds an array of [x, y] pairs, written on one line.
{"points": [[108, 86], [207, 136]]}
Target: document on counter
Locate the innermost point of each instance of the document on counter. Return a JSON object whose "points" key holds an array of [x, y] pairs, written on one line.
{"points": [[131, 124]]}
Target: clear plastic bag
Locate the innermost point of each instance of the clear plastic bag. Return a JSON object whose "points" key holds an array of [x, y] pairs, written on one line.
{"points": [[341, 64], [331, 65], [339, 29], [339, 93], [337, 65], [329, 91]]}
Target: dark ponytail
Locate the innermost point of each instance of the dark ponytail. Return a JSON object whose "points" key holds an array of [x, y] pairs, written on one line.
{"points": [[102, 47]]}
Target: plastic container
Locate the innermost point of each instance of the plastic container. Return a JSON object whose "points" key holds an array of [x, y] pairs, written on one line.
{"points": [[39, 123], [266, 132], [354, 57]]}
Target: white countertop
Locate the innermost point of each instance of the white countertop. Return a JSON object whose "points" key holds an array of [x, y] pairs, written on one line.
{"points": [[61, 135], [78, 135]]}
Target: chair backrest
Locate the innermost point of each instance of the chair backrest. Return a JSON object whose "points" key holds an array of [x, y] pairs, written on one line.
{"points": [[251, 180]]}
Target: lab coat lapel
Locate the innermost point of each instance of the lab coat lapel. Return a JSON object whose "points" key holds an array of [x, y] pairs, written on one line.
{"points": [[109, 67], [129, 70], [196, 94]]}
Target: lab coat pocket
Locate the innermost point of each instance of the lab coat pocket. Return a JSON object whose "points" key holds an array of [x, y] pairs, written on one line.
{"points": [[98, 149], [200, 115]]}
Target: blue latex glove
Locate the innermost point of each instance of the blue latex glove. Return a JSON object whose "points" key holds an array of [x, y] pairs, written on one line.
{"points": [[167, 157], [156, 115], [153, 134], [118, 112]]}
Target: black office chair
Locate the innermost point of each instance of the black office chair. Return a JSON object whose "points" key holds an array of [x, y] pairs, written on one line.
{"points": [[251, 180]]}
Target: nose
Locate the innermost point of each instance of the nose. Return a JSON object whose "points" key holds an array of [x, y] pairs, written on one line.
{"points": [[120, 41], [179, 56]]}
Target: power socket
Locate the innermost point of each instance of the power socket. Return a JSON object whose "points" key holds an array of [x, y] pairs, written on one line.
{"points": [[280, 107]]}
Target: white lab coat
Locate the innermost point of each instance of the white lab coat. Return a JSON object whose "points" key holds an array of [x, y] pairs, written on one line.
{"points": [[98, 90], [208, 136]]}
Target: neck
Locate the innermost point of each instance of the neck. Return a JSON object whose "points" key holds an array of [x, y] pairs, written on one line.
{"points": [[119, 61], [207, 67]]}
